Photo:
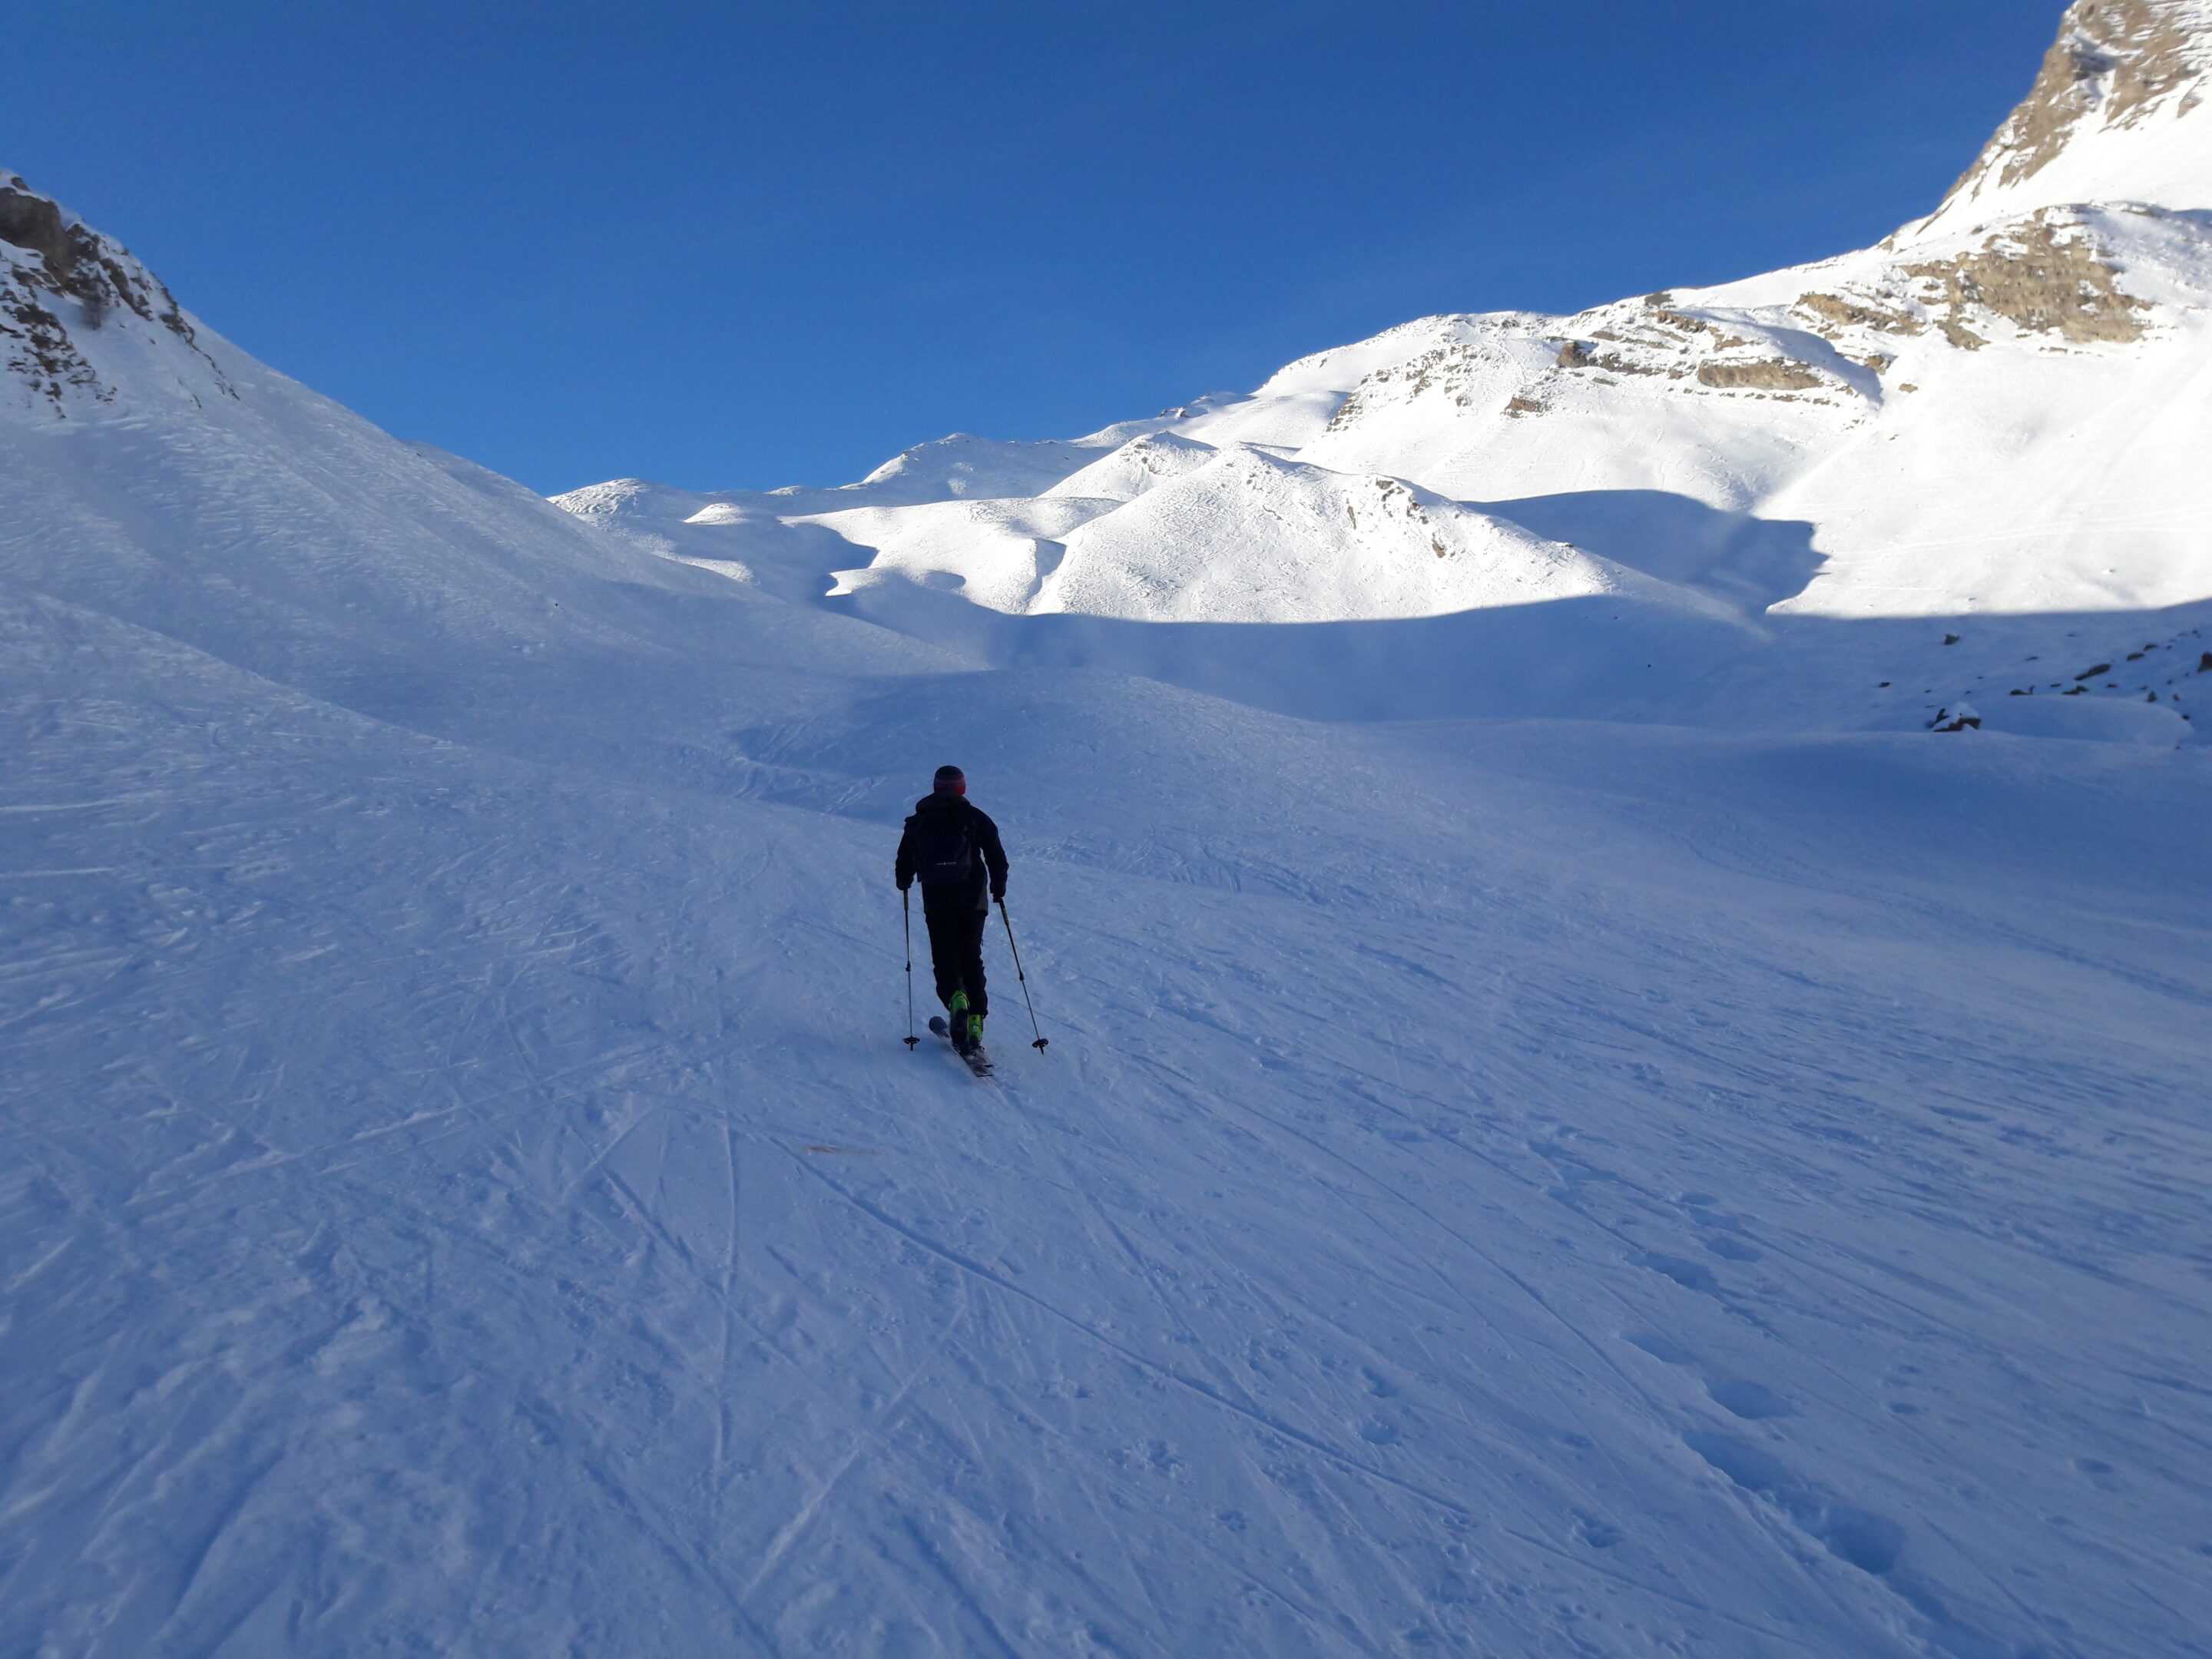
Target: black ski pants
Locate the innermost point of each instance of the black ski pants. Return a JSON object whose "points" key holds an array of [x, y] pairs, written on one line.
{"points": [[955, 917]]}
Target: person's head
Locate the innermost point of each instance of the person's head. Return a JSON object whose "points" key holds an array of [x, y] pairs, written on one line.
{"points": [[952, 781]]}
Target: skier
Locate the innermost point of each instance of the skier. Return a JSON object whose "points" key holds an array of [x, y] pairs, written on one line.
{"points": [[951, 848]]}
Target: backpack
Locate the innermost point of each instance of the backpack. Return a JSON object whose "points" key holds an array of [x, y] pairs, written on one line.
{"points": [[942, 849]]}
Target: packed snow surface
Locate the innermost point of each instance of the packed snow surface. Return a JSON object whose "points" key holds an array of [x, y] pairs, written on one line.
{"points": [[1518, 1188], [1575, 1123]]}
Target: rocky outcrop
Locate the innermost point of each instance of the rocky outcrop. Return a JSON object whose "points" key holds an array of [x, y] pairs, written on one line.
{"points": [[2117, 114], [79, 262], [1759, 374], [2043, 275], [2114, 62], [63, 273], [1834, 312]]}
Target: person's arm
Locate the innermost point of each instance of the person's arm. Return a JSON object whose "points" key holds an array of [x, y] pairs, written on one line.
{"points": [[903, 871], [995, 856]]}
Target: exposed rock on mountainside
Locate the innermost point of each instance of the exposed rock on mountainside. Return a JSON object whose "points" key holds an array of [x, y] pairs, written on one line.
{"points": [[2119, 113], [54, 256], [1836, 312], [2114, 62], [2044, 275], [2048, 273], [1761, 375]]}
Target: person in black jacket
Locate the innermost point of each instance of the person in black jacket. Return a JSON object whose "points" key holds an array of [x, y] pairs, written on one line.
{"points": [[951, 848]]}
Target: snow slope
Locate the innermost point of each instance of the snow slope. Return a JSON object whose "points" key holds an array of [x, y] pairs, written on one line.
{"points": [[1503, 1188], [1514, 1186]]}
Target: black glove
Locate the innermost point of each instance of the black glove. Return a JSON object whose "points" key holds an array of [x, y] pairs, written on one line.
{"points": [[998, 895]]}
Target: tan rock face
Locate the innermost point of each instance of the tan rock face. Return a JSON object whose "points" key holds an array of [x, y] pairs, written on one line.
{"points": [[2115, 59], [1835, 312], [1761, 375], [2043, 275]]}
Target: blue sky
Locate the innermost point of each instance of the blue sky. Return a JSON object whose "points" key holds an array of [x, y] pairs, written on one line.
{"points": [[739, 246]]}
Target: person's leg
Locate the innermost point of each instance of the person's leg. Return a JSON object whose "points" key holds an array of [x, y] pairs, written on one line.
{"points": [[948, 945], [971, 963]]}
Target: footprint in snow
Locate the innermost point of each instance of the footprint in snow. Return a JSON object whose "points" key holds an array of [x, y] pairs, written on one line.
{"points": [[1598, 1534], [1688, 1274], [1747, 1400], [1752, 1402], [1871, 1542], [1660, 1348]]}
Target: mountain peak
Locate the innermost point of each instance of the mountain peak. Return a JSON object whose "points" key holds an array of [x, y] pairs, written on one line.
{"points": [[2113, 116]]}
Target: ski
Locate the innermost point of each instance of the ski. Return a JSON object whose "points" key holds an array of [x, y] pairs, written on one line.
{"points": [[976, 1060]]}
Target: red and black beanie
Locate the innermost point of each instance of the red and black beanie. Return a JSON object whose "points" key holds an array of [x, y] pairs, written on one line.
{"points": [[952, 781]]}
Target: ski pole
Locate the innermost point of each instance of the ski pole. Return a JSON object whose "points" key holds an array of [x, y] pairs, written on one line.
{"points": [[1041, 1039], [905, 926]]}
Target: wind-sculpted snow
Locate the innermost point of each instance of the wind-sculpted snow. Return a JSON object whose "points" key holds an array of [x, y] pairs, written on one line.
{"points": [[1327, 547], [1250, 537], [1137, 466], [993, 553]]}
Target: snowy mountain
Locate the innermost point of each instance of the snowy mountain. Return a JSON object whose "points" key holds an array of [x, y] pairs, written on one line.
{"points": [[1573, 1188], [2113, 117], [1994, 421]]}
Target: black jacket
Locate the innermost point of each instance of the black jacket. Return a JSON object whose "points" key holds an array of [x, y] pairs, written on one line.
{"points": [[980, 830]]}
